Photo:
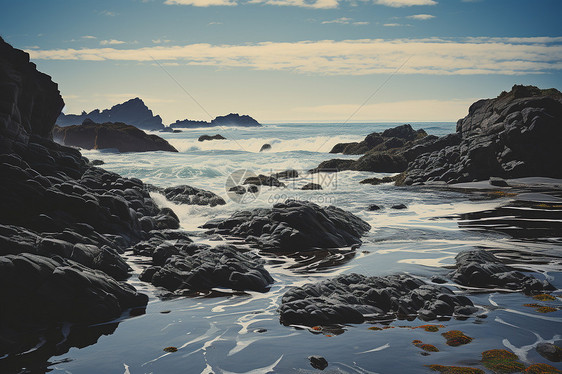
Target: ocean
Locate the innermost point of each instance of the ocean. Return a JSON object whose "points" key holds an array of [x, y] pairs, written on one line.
{"points": [[232, 332]]}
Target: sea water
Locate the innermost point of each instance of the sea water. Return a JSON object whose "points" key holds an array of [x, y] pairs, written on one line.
{"points": [[240, 332]]}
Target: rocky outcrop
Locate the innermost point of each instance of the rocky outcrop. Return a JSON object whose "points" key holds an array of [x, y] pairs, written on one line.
{"points": [[293, 226], [383, 152], [133, 112], [195, 268], [263, 180], [265, 147], [120, 136], [514, 135], [190, 195], [202, 138], [232, 119], [311, 186], [482, 269], [354, 298]]}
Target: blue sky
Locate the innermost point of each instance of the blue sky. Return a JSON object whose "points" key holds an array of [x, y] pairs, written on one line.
{"points": [[290, 60]]}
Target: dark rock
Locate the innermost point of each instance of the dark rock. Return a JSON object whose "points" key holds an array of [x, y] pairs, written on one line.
{"points": [[480, 268], [374, 207], [265, 147], [293, 226], [354, 298], [96, 162], [120, 136], [262, 180], [399, 206], [133, 112], [202, 138], [318, 362], [311, 186], [207, 268], [192, 196], [438, 280], [232, 119], [287, 174], [332, 166], [550, 351], [498, 182], [514, 135], [253, 188], [375, 181], [239, 190]]}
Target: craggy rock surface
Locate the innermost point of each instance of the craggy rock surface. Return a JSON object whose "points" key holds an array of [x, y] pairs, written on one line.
{"points": [[133, 112], [120, 136], [232, 119], [383, 152], [514, 135], [354, 298], [199, 268], [190, 195], [293, 226], [484, 270], [263, 180]]}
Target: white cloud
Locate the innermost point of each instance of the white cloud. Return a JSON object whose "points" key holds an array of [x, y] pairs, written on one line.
{"points": [[215, 23], [404, 3], [360, 23], [454, 56], [201, 3], [393, 25], [111, 42], [160, 41], [88, 37], [421, 17], [108, 13], [342, 20]]}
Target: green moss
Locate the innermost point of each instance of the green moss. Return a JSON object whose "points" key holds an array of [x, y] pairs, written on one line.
{"points": [[430, 328], [170, 349], [544, 297], [541, 369], [425, 347], [455, 369], [456, 338], [501, 361], [541, 308], [375, 328]]}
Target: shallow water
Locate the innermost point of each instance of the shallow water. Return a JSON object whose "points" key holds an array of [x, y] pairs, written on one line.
{"points": [[241, 333]]}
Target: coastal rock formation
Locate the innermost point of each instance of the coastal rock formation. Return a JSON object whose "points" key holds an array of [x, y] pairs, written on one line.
{"points": [[202, 138], [383, 152], [263, 180], [482, 269], [286, 174], [120, 136], [265, 147], [194, 268], [133, 112], [190, 195], [354, 298], [311, 186], [232, 119], [514, 135], [293, 226]]}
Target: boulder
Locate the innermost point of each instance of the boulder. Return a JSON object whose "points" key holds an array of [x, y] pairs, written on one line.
{"points": [[286, 174], [293, 226], [311, 186], [263, 180], [232, 119], [202, 138], [481, 269], [120, 136], [265, 147], [354, 298], [191, 195]]}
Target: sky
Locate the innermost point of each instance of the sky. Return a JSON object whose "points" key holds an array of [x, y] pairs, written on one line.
{"points": [[290, 60]]}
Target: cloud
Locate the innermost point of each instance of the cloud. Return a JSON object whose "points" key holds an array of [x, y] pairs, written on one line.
{"points": [[108, 13], [421, 17], [404, 3], [160, 41], [342, 20], [393, 25], [202, 3], [215, 23], [88, 37], [430, 56], [360, 23], [111, 42]]}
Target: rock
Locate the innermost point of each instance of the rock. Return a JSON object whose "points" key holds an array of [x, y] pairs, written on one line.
{"points": [[96, 162], [239, 190], [399, 206], [192, 196], [380, 162], [287, 174], [550, 351], [375, 181], [202, 138], [262, 180], [201, 269], [498, 182], [265, 147], [232, 119], [133, 112], [311, 186], [120, 136], [374, 207], [293, 226], [480, 268], [318, 362], [514, 135], [354, 298]]}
